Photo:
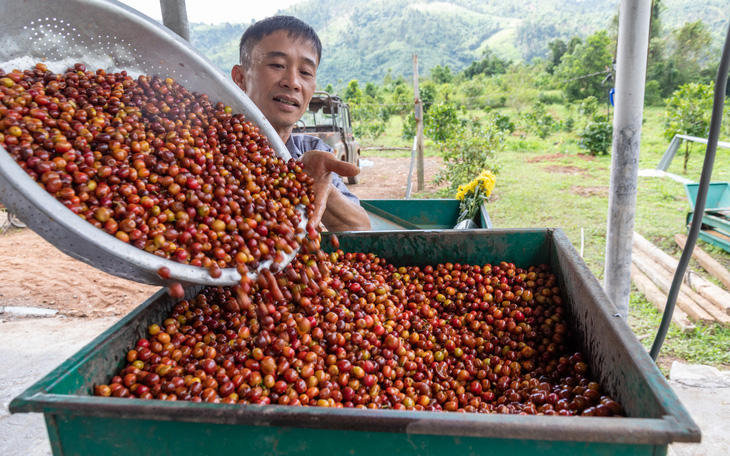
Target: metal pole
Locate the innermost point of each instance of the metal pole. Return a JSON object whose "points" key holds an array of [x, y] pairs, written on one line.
{"points": [[175, 17], [632, 49], [419, 123]]}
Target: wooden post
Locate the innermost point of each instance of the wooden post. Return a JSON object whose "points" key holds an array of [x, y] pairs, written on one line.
{"points": [[654, 295], [175, 17], [706, 261], [418, 106], [708, 290]]}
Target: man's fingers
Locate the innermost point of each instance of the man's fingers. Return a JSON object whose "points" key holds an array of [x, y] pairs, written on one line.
{"points": [[321, 193], [317, 163], [343, 168]]}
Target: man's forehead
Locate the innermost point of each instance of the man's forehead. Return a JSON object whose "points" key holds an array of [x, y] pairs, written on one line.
{"points": [[281, 43]]}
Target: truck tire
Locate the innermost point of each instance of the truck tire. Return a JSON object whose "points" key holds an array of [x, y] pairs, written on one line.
{"points": [[354, 180]]}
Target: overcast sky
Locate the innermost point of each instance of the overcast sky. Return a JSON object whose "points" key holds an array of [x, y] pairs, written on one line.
{"points": [[217, 11]]}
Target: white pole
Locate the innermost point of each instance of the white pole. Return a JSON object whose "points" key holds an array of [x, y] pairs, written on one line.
{"points": [[175, 17], [633, 44]]}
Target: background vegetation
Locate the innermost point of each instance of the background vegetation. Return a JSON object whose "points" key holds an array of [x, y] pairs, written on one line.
{"points": [[368, 39]]}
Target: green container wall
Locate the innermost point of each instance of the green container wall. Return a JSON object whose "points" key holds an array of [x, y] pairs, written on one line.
{"points": [[426, 214], [82, 424]]}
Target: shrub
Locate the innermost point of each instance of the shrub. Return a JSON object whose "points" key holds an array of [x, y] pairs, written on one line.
{"points": [[538, 121], [653, 93], [467, 152], [502, 122], [597, 136], [552, 97], [441, 121], [568, 124]]}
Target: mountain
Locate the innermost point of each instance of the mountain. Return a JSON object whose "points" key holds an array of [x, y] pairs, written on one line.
{"points": [[366, 39]]}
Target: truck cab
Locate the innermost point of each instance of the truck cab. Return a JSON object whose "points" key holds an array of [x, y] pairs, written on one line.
{"points": [[328, 118]]}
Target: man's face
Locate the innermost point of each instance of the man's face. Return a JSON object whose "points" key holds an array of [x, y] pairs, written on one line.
{"points": [[280, 79]]}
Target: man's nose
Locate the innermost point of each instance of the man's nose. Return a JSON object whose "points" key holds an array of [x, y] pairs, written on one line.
{"points": [[291, 80]]}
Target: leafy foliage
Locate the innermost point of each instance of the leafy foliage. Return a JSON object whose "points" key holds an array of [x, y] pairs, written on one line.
{"points": [[502, 122], [441, 122], [488, 66], [539, 121], [689, 111], [468, 151], [368, 115], [597, 136], [582, 71]]}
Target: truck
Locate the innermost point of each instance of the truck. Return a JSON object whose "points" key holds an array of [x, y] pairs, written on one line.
{"points": [[328, 118]]}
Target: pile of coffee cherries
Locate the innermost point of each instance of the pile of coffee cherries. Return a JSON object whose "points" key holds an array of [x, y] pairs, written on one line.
{"points": [[351, 330], [157, 166]]}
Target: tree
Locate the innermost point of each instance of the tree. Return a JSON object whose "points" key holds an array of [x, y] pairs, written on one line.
{"points": [[689, 111], [441, 121], [353, 93], [441, 75], [369, 116], [467, 151], [371, 90], [597, 136], [582, 71], [489, 65], [691, 52], [558, 48], [427, 93]]}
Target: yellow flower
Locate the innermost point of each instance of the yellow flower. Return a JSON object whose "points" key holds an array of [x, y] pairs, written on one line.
{"points": [[473, 194]]}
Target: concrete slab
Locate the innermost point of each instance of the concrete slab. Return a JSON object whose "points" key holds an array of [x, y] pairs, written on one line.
{"points": [[710, 409], [31, 348]]}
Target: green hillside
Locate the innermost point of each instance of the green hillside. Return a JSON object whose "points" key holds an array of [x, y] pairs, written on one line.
{"points": [[365, 39]]}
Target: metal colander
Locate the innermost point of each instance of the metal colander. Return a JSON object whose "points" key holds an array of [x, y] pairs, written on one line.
{"points": [[109, 35]]}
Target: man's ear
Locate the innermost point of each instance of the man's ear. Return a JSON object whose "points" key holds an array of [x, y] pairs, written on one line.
{"points": [[237, 76]]}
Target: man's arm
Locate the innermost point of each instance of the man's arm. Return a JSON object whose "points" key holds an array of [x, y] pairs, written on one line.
{"points": [[335, 210], [343, 214]]}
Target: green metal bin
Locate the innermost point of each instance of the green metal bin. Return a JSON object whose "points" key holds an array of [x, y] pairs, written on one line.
{"points": [[418, 214], [81, 424]]}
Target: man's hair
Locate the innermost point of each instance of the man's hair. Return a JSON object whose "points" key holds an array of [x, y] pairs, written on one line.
{"points": [[296, 28]]}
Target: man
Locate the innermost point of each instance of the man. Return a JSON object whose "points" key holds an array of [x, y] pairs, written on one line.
{"points": [[278, 71]]}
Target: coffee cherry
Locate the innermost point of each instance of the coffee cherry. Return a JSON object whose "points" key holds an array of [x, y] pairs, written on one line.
{"points": [[155, 165], [310, 337]]}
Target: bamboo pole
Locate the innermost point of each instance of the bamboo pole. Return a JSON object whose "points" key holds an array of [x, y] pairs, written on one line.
{"points": [[655, 296]]}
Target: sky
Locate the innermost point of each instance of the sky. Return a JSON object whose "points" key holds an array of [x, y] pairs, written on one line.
{"points": [[217, 11]]}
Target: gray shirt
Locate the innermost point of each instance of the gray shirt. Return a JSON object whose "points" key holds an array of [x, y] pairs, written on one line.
{"points": [[299, 144]]}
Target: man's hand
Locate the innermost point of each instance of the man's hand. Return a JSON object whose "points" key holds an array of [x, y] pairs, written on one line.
{"points": [[320, 165]]}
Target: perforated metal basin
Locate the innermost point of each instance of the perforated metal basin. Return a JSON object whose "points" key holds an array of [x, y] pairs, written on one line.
{"points": [[108, 35]]}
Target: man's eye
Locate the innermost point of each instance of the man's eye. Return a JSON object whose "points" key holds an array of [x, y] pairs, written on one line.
{"points": [[277, 65]]}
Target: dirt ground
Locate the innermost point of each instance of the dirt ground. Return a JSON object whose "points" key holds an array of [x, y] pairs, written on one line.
{"points": [[33, 273]]}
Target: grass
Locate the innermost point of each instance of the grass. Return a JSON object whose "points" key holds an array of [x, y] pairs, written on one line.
{"points": [[553, 183]]}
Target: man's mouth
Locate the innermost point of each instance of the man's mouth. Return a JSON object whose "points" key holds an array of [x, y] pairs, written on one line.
{"points": [[285, 101]]}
